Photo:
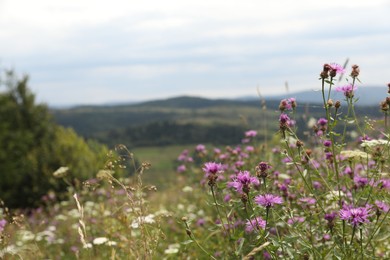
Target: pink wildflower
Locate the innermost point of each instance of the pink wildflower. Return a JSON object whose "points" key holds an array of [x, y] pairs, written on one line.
{"points": [[347, 90], [355, 216], [255, 223], [268, 200], [243, 181]]}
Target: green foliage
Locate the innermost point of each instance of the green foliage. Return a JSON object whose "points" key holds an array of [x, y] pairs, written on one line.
{"points": [[32, 147]]}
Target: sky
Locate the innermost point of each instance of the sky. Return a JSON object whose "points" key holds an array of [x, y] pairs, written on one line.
{"points": [[97, 52]]}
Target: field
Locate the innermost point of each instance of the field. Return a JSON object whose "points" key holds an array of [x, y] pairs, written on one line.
{"points": [[297, 185]]}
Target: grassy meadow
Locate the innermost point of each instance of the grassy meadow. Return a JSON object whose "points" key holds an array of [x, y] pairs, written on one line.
{"points": [[295, 185]]}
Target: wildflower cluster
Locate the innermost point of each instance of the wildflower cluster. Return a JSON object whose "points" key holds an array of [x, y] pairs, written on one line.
{"points": [[319, 199]]}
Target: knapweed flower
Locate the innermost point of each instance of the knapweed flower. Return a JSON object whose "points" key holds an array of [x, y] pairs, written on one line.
{"points": [[347, 90], [381, 206], [250, 133], [327, 143], [326, 237], [255, 223], [268, 200], [285, 121], [295, 220], [3, 222], [242, 182], [322, 122], [181, 168], [287, 104], [330, 216], [200, 148], [212, 170], [308, 200], [355, 216], [336, 69], [360, 182], [262, 169]]}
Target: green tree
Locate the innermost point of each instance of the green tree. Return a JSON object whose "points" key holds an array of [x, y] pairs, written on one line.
{"points": [[32, 147]]}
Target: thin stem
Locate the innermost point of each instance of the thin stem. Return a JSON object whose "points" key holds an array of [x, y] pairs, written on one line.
{"points": [[361, 242], [353, 234], [191, 236], [219, 213]]}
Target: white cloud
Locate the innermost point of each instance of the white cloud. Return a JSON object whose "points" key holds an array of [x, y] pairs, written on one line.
{"points": [[221, 47]]}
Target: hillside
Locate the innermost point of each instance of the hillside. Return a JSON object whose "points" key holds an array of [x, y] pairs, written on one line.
{"points": [[181, 120]]}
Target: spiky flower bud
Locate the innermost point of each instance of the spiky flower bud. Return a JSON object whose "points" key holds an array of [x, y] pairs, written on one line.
{"points": [[355, 71]]}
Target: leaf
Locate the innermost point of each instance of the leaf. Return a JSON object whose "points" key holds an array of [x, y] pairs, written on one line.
{"points": [[239, 249]]}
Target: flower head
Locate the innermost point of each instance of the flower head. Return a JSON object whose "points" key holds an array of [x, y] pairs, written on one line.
{"points": [[268, 200], [212, 168], [255, 223], [347, 90], [3, 222], [200, 148], [336, 69], [355, 216], [243, 181], [381, 206], [250, 133]]}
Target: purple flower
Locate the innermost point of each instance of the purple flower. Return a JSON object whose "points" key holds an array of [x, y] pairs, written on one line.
{"points": [[317, 185], [263, 166], [249, 149], [360, 182], [384, 184], [250, 133], [200, 222], [200, 148], [268, 200], [322, 122], [326, 237], [243, 181], [337, 68], [355, 216], [295, 220], [347, 90], [255, 223], [308, 200], [181, 168], [327, 143], [284, 119], [382, 206], [212, 168], [330, 216], [3, 222]]}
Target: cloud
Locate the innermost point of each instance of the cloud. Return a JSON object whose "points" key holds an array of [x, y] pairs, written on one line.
{"points": [[163, 48]]}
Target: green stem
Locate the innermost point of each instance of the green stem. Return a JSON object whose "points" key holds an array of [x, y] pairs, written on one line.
{"points": [[219, 213], [191, 236], [353, 234], [361, 242]]}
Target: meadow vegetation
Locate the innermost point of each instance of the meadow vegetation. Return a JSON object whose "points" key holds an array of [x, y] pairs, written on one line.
{"points": [[318, 190]]}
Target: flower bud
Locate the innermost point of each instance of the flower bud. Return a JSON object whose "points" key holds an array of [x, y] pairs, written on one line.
{"points": [[355, 71]]}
